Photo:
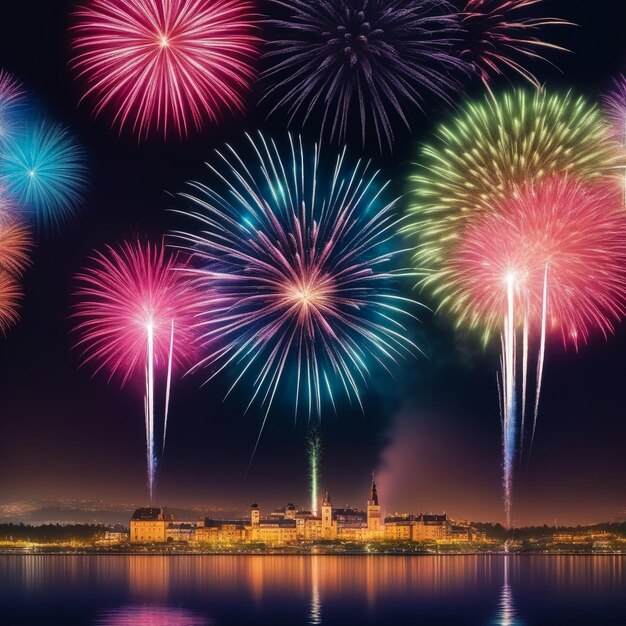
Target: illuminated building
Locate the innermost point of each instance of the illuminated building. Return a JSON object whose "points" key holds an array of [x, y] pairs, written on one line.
{"points": [[148, 525], [290, 525]]}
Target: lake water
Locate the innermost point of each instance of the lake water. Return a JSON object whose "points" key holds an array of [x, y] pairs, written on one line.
{"points": [[195, 590]]}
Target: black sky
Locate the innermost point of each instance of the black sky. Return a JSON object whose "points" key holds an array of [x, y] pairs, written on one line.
{"points": [[432, 432]]}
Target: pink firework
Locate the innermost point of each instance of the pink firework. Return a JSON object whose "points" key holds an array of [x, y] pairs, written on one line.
{"points": [[498, 38], [136, 315], [166, 64], [550, 258], [574, 231], [11, 100]]}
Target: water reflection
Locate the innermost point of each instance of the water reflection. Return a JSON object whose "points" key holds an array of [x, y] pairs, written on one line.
{"points": [[507, 615], [315, 610], [151, 616], [315, 589]]}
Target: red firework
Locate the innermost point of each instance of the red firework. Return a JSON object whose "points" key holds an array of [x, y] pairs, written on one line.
{"points": [[129, 298], [497, 38], [561, 237], [166, 64]]}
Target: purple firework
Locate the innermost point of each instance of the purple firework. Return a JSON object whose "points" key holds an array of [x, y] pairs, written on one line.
{"points": [[361, 58]]}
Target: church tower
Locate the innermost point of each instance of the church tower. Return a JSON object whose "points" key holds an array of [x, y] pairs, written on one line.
{"points": [[255, 514], [373, 513], [327, 517]]}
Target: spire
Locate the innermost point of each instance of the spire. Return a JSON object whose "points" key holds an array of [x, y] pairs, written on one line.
{"points": [[326, 499], [373, 493]]}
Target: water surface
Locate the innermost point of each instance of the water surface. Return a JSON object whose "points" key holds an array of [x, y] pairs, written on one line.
{"points": [[194, 590]]}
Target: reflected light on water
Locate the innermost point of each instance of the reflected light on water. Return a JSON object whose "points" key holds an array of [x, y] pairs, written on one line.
{"points": [[315, 610], [506, 608], [151, 616]]}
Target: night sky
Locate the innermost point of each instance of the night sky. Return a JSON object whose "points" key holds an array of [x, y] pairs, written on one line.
{"points": [[432, 432]]}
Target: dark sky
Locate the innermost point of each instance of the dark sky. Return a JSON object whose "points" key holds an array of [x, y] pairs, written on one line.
{"points": [[432, 432]]}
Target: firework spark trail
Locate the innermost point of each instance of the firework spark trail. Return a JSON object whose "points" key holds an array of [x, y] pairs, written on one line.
{"points": [[150, 408], [494, 39], [367, 60], [167, 65], [128, 302], [303, 272], [314, 449], [509, 400]]}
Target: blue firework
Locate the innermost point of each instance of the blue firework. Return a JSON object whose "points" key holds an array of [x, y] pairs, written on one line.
{"points": [[368, 60], [298, 261], [44, 171]]}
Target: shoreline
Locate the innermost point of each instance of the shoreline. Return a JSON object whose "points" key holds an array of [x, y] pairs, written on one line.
{"points": [[300, 553]]}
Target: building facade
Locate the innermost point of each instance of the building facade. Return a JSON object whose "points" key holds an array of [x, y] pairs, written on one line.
{"points": [[290, 525]]}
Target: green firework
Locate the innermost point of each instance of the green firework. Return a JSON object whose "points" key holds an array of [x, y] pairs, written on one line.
{"points": [[314, 451]]}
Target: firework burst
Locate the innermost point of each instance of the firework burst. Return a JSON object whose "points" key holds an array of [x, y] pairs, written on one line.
{"points": [[15, 249], [165, 65], [302, 268], [43, 171], [135, 316], [361, 59], [574, 229], [498, 39], [10, 298], [615, 106], [11, 101], [488, 150]]}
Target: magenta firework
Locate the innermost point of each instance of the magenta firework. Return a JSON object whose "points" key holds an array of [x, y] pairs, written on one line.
{"points": [[135, 319]]}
